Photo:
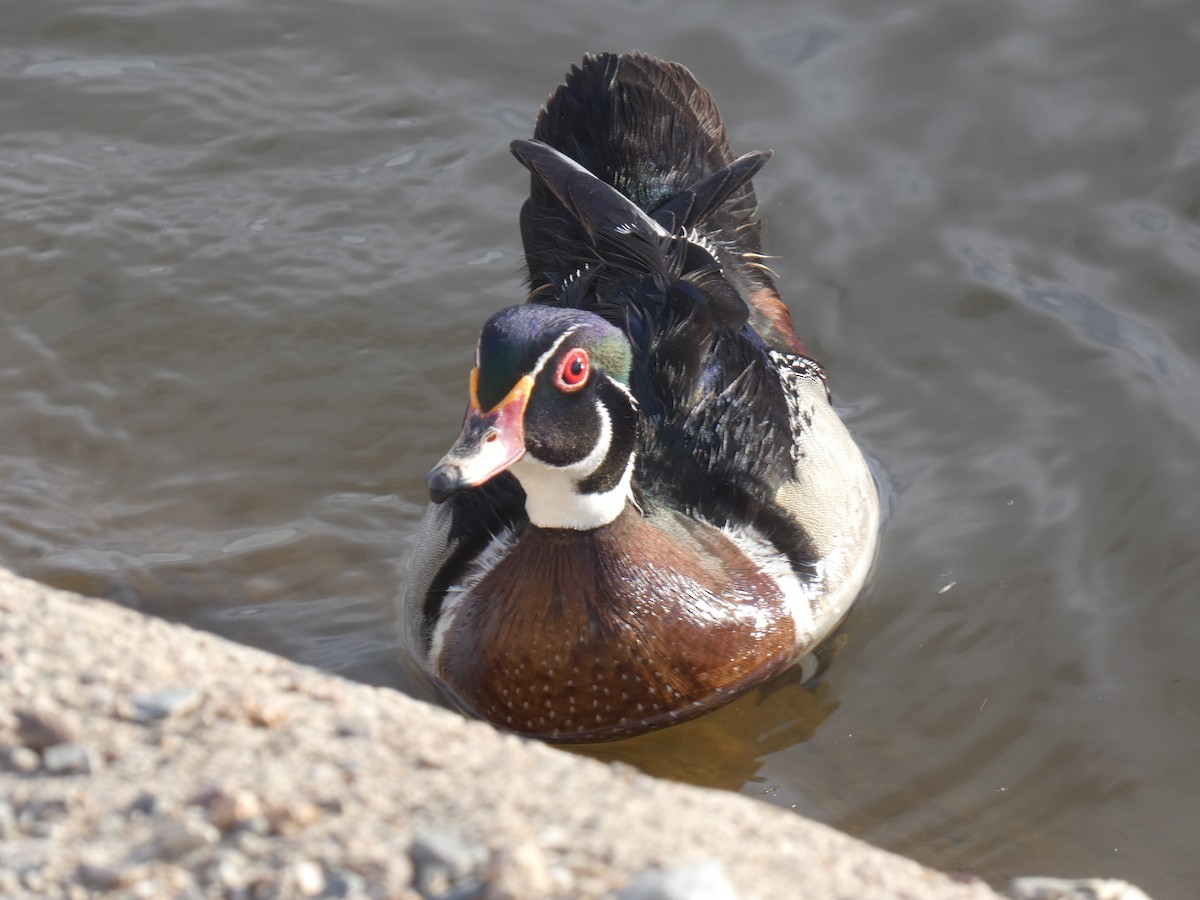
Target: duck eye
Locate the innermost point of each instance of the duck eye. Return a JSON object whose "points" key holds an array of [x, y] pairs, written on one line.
{"points": [[573, 370]]}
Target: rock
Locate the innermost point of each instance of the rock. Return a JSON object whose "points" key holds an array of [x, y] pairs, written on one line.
{"points": [[388, 876], [228, 872], [445, 863], [102, 876], [304, 878], [41, 815], [34, 879], [292, 818], [67, 759], [171, 701], [1073, 889], [42, 726], [704, 880], [518, 871], [363, 724], [179, 838], [264, 713], [22, 760], [8, 821], [232, 811], [254, 842], [345, 883], [146, 804], [112, 824]]}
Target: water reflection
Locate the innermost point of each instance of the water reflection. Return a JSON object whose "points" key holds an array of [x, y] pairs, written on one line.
{"points": [[725, 749]]}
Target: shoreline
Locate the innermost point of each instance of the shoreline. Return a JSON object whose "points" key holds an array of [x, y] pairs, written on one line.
{"points": [[143, 758]]}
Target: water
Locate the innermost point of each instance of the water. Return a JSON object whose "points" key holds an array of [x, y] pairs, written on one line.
{"points": [[245, 249]]}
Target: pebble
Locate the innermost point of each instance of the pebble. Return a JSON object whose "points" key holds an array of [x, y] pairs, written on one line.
{"points": [[232, 811], [113, 824], [253, 842], [34, 879], [40, 727], [345, 883], [171, 701], [46, 829], [22, 760], [178, 838], [445, 863], [705, 880], [8, 821], [228, 873], [102, 876], [292, 818], [518, 871], [44, 810], [1037, 888], [306, 877], [387, 876], [67, 759], [146, 804], [264, 713], [360, 726]]}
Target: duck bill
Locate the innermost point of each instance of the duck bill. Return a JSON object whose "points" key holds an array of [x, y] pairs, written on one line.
{"points": [[490, 442]]}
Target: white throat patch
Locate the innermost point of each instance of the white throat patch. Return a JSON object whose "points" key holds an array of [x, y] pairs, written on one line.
{"points": [[552, 498]]}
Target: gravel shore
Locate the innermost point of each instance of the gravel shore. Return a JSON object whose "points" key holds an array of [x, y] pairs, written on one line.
{"points": [[144, 759]]}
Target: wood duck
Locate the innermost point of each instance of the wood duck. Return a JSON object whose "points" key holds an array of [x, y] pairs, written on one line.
{"points": [[652, 506]]}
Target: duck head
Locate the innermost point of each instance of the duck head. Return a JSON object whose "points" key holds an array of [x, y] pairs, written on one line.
{"points": [[549, 402]]}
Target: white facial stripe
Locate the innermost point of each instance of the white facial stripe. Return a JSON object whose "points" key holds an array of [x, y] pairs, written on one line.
{"points": [[545, 357], [624, 390]]}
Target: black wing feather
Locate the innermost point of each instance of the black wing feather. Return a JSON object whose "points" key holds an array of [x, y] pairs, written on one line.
{"points": [[639, 212], [693, 207]]}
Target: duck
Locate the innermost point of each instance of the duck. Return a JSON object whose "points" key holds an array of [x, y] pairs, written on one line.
{"points": [[652, 506]]}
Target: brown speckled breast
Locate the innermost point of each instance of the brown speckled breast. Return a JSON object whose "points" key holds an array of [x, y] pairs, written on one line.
{"points": [[608, 633]]}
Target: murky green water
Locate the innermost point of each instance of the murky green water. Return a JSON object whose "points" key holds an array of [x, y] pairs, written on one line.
{"points": [[245, 249]]}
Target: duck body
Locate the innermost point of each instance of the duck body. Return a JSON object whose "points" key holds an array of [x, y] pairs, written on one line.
{"points": [[652, 506]]}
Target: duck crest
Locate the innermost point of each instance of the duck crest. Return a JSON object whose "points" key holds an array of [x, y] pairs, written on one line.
{"points": [[652, 506]]}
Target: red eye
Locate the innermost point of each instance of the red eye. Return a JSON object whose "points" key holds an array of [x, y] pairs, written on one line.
{"points": [[573, 370]]}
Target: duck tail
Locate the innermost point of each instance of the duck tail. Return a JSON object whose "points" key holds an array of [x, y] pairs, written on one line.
{"points": [[649, 129], [651, 135]]}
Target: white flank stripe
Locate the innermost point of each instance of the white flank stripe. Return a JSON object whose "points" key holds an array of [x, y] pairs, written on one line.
{"points": [[495, 551]]}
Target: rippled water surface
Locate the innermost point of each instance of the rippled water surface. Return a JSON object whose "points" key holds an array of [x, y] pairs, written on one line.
{"points": [[245, 249]]}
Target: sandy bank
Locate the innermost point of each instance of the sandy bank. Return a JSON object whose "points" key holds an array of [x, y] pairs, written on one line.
{"points": [[147, 759]]}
